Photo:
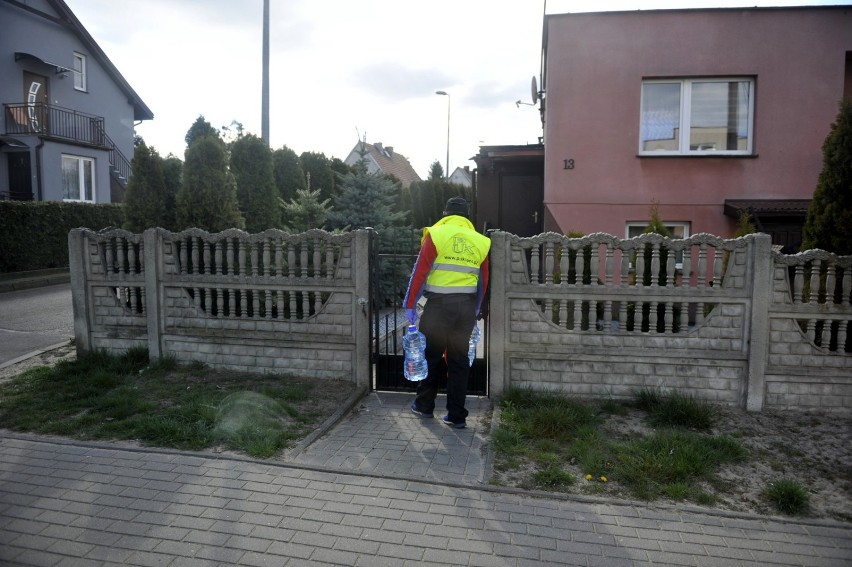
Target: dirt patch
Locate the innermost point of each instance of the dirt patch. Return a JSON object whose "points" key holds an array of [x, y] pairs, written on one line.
{"points": [[814, 449]]}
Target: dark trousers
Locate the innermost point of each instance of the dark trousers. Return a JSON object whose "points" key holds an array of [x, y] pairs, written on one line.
{"points": [[447, 323]]}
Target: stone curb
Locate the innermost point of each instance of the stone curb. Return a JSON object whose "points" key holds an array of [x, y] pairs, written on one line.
{"points": [[330, 422], [18, 284], [29, 355]]}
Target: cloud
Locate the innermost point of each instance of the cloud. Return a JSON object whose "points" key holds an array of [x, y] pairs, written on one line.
{"points": [[394, 81]]}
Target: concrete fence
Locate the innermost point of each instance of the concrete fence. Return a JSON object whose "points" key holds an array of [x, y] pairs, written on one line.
{"points": [[600, 316], [266, 302], [726, 320]]}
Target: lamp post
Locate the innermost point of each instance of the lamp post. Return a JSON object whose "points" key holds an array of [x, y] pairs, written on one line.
{"points": [[446, 94]]}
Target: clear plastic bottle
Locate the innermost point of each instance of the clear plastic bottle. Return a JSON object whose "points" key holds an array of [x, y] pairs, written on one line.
{"points": [[474, 340], [414, 346]]}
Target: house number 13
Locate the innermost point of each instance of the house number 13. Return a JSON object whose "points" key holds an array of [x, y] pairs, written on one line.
{"points": [[569, 164]]}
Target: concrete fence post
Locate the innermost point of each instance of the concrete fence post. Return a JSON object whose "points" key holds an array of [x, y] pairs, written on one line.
{"points": [[360, 308], [153, 258], [758, 329], [77, 264], [500, 272]]}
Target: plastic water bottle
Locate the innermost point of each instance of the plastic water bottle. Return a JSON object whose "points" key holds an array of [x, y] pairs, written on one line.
{"points": [[474, 340], [414, 345]]}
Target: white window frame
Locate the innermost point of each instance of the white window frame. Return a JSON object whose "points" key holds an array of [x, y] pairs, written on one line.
{"points": [[684, 226], [80, 78], [686, 115], [84, 194]]}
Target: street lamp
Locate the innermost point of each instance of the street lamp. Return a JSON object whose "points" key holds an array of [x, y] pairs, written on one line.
{"points": [[446, 94]]}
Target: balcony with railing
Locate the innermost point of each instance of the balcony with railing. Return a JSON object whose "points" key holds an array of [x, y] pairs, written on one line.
{"points": [[55, 122]]}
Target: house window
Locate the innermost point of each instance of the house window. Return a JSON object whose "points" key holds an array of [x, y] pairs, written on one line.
{"points": [[78, 178], [697, 117], [79, 71], [676, 230]]}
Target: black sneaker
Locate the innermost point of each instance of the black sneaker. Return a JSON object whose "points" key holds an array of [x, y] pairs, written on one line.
{"points": [[414, 409], [454, 424]]}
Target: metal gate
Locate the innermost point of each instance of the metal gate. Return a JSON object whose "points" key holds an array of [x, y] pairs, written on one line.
{"points": [[391, 262]]}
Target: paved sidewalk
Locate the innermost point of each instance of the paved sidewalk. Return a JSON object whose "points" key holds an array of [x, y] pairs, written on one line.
{"points": [[71, 504], [381, 435]]}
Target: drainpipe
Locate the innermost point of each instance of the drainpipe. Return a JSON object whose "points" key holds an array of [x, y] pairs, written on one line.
{"points": [[39, 191]]}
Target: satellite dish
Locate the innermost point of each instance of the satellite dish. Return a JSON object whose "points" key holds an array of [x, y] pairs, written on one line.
{"points": [[534, 89]]}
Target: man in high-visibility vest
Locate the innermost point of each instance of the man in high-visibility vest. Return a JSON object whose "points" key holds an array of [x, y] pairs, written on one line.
{"points": [[451, 271]]}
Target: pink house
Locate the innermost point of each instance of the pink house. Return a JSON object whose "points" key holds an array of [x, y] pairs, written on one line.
{"points": [[705, 112]]}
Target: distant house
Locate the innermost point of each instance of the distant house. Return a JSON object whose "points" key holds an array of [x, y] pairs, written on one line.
{"points": [[706, 112], [68, 114], [462, 176], [383, 159]]}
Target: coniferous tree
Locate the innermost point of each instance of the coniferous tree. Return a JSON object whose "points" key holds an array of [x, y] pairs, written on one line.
{"points": [[199, 129], [829, 221], [369, 201], [305, 211], [257, 195], [427, 198], [365, 200], [172, 174], [318, 167], [340, 167], [146, 201], [744, 224], [289, 175], [207, 198]]}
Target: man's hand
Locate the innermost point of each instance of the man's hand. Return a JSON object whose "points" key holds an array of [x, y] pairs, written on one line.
{"points": [[411, 314]]}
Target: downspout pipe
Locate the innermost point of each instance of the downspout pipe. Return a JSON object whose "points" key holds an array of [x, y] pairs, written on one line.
{"points": [[39, 188]]}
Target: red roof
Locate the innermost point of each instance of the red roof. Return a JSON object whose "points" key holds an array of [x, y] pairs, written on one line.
{"points": [[387, 160]]}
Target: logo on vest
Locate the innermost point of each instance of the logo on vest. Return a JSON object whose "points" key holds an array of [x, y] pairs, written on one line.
{"points": [[460, 246]]}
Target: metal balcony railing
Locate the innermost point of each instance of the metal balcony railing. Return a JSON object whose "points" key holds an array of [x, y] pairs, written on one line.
{"points": [[55, 122]]}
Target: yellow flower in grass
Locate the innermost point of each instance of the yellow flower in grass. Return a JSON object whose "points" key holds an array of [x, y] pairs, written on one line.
{"points": [[603, 479], [588, 477]]}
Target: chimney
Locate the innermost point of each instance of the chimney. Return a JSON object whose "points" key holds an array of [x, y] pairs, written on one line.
{"points": [[389, 151], [378, 146]]}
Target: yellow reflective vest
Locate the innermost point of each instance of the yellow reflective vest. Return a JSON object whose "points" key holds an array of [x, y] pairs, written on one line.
{"points": [[460, 252]]}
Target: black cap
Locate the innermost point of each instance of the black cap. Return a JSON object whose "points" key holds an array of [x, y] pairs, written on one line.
{"points": [[457, 206]]}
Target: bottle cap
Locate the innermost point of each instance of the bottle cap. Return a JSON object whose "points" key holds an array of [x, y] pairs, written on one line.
{"points": [[412, 328]]}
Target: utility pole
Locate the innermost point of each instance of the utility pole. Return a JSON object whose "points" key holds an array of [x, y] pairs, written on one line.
{"points": [[264, 105]]}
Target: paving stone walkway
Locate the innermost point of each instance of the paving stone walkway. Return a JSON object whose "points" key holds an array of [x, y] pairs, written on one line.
{"points": [[381, 435], [65, 504]]}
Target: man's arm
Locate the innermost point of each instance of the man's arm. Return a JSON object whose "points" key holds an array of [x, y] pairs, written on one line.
{"points": [[482, 285], [421, 270]]}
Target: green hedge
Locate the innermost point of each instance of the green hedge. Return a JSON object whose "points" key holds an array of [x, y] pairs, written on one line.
{"points": [[34, 235]]}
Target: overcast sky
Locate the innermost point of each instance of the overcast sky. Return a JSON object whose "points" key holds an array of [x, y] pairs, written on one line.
{"points": [[340, 69]]}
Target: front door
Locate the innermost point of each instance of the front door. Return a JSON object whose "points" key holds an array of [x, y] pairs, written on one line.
{"points": [[35, 95], [521, 203], [20, 176]]}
